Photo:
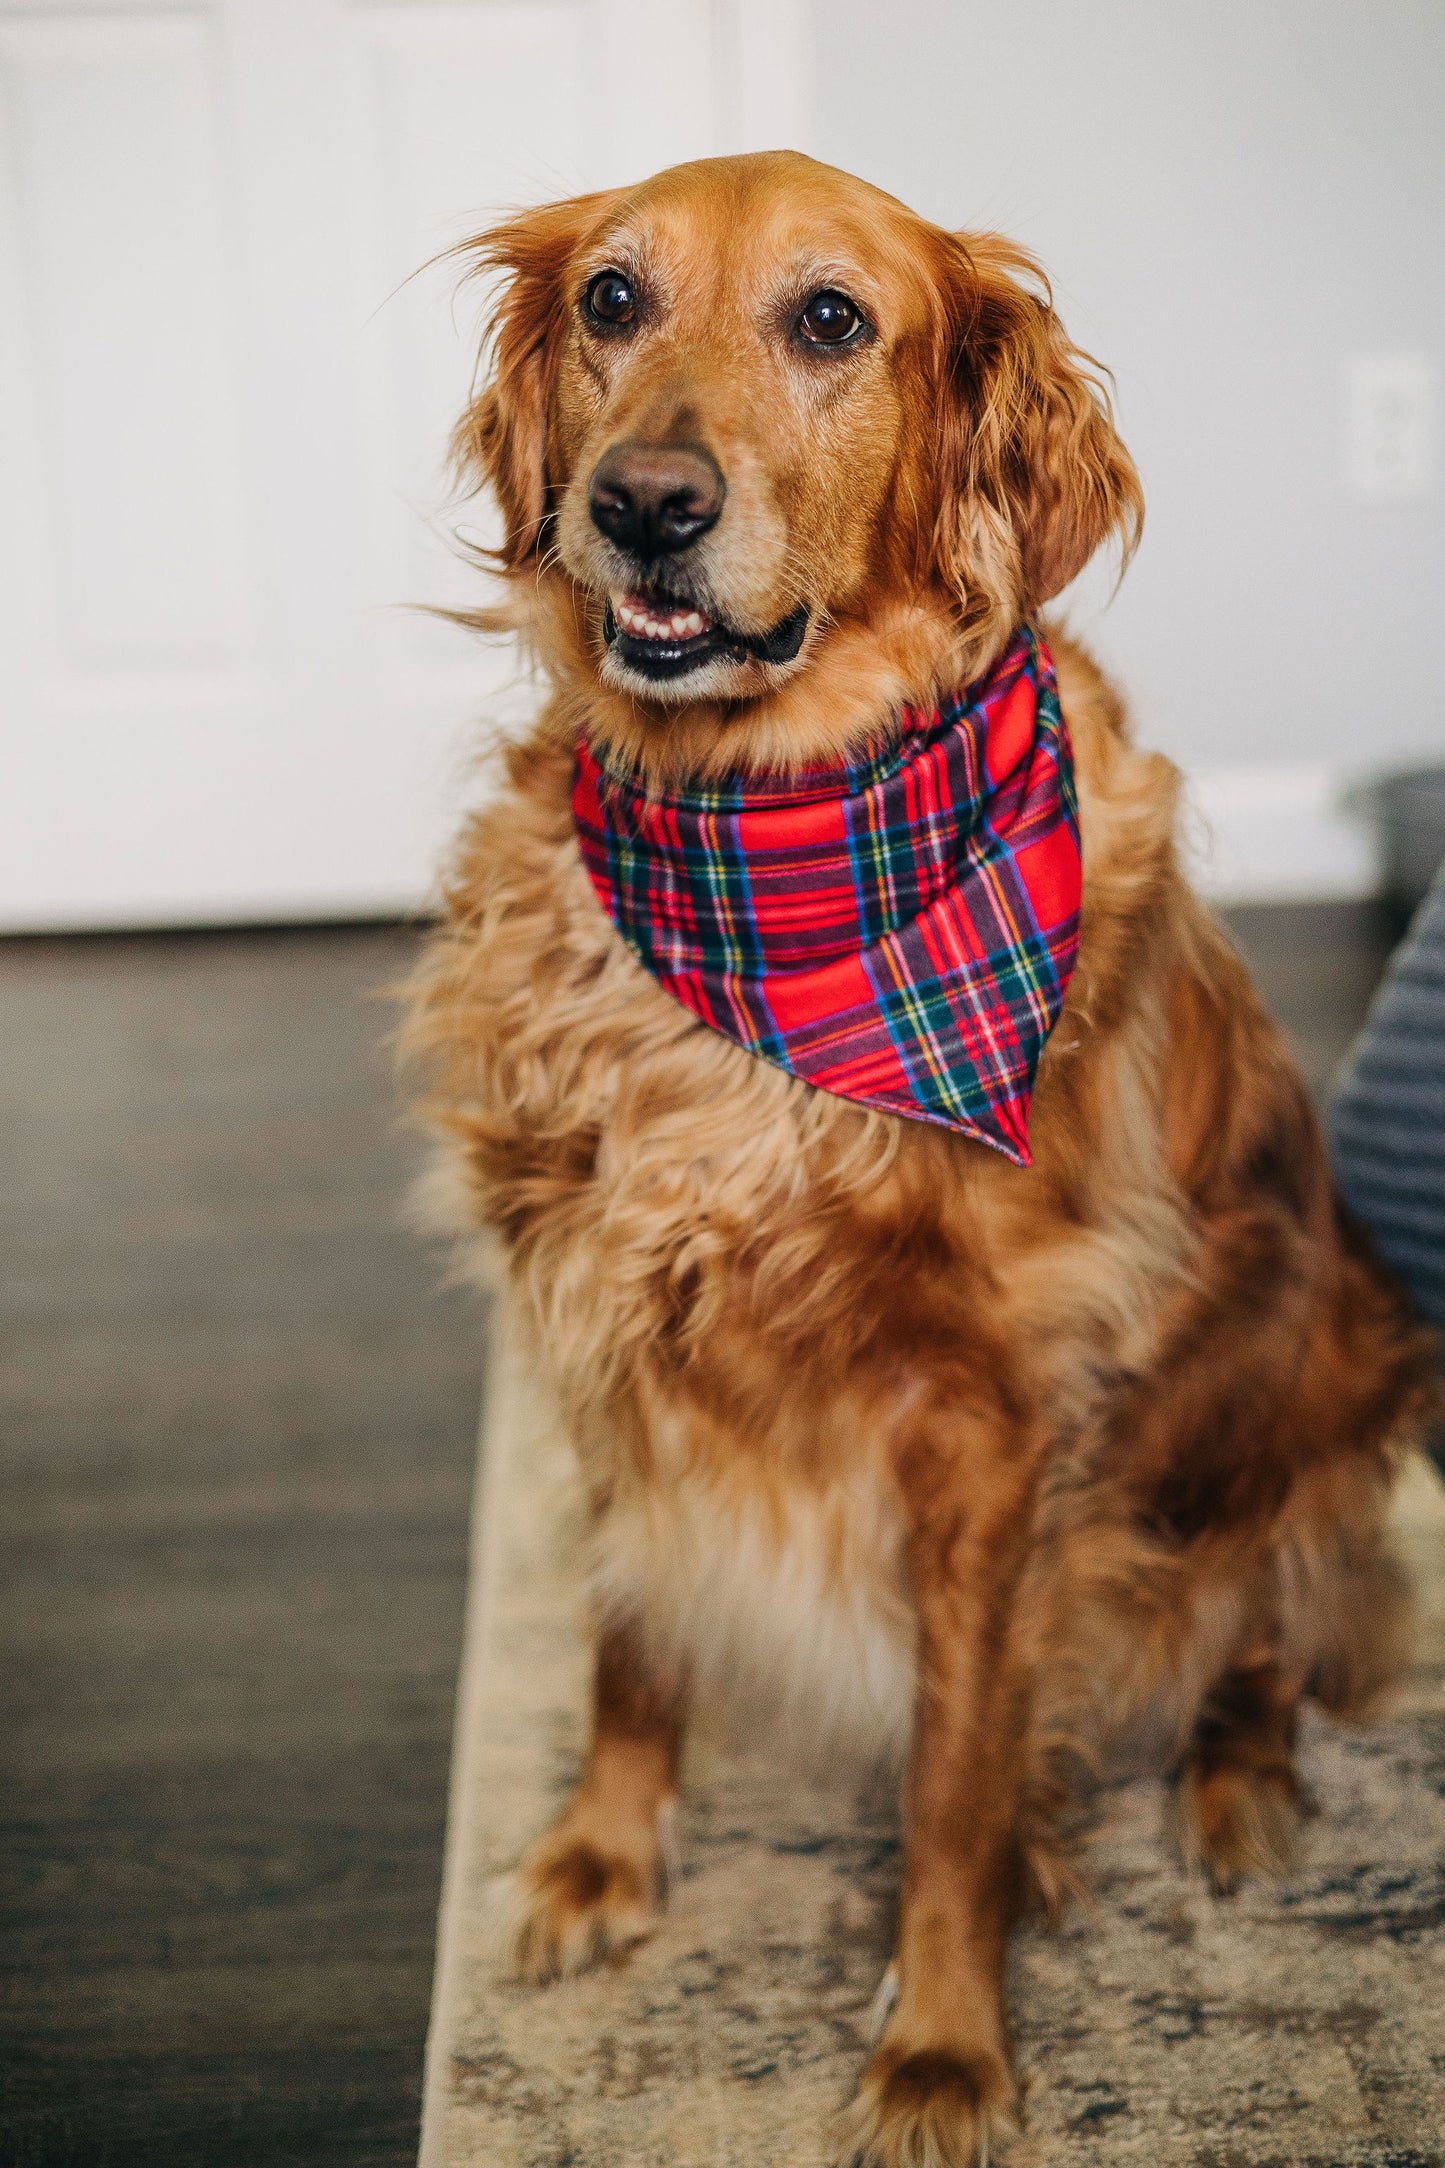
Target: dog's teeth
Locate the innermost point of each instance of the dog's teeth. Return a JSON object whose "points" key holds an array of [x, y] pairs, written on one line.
{"points": [[645, 624]]}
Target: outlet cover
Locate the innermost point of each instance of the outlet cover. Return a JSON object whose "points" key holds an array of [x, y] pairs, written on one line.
{"points": [[1390, 427]]}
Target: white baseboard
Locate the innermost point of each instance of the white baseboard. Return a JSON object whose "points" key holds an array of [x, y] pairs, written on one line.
{"points": [[1278, 835], [1252, 835]]}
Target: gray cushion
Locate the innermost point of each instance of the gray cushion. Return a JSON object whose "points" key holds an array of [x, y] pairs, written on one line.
{"points": [[1387, 1115]]}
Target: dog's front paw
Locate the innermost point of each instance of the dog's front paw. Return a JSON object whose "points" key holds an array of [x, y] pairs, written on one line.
{"points": [[579, 1900], [929, 2107]]}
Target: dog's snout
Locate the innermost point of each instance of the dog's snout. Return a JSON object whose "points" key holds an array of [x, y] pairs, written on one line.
{"points": [[656, 499]]}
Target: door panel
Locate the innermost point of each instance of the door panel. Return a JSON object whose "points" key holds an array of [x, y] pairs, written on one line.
{"points": [[224, 401], [128, 280]]}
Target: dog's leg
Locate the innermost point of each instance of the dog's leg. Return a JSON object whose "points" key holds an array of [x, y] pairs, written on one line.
{"points": [[939, 2089], [590, 1888], [1340, 1631], [1239, 1800]]}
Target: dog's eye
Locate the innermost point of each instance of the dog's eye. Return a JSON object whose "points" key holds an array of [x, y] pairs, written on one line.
{"points": [[830, 319], [611, 299]]}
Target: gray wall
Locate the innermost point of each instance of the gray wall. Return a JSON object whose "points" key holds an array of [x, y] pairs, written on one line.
{"points": [[1234, 199]]}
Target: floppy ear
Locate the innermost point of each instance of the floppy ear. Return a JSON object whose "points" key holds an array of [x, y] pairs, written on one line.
{"points": [[1034, 476], [502, 437]]}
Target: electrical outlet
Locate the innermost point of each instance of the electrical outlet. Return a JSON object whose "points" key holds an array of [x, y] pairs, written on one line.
{"points": [[1390, 427]]}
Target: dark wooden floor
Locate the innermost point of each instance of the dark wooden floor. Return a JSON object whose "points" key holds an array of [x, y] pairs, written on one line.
{"points": [[238, 1430], [237, 1446]]}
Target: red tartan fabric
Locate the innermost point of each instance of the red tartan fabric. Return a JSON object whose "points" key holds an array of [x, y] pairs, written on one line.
{"points": [[900, 932]]}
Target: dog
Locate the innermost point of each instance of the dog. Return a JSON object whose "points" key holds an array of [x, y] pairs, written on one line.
{"points": [[987, 1457]]}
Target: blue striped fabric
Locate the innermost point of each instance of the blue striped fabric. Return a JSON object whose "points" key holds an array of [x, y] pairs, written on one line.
{"points": [[1387, 1118]]}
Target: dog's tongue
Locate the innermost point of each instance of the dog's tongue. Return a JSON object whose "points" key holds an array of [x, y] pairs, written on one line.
{"points": [[645, 620]]}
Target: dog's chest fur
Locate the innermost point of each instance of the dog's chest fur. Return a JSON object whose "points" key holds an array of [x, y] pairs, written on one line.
{"points": [[782, 1595], [736, 1282]]}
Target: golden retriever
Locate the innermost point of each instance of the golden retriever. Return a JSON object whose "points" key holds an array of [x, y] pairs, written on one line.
{"points": [[986, 1464]]}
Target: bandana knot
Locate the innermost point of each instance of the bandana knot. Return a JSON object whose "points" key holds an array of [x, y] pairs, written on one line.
{"points": [[899, 931]]}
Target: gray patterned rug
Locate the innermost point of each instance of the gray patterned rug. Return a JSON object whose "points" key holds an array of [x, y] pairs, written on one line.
{"points": [[1299, 2025]]}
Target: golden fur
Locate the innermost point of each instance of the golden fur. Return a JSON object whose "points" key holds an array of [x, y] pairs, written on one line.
{"points": [[984, 1465]]}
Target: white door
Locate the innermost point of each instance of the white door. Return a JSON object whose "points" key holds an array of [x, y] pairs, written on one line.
{"points": [[221, 425]]}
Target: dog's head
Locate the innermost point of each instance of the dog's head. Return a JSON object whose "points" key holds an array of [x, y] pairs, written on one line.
{"points": [[775, 454]]}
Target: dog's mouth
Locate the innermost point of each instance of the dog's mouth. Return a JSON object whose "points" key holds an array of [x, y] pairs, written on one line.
{"points": [[659, 638]]}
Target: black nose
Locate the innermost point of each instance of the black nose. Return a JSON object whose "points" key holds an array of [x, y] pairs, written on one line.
{"points": [[653, 499]]}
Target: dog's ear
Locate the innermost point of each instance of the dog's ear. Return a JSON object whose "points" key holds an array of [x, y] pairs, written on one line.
{"points": [[1033, 477], [501, 439]]}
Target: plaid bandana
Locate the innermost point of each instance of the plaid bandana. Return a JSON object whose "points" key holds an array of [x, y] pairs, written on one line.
{"points": [[900, 931]]}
